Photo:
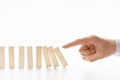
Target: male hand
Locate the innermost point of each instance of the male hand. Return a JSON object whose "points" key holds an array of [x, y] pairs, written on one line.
{"points": [[94, 47]]}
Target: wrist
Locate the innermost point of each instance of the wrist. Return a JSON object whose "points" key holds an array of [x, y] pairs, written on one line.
{"points": [[113, 46]]}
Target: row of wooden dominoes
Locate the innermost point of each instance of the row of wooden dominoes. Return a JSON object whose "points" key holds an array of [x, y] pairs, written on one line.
{"points": [[51, 56]]}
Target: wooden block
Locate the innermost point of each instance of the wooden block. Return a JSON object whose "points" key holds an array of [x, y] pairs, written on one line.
{"points": [[60, 56], [38, 56], [11, 57], [53, 57], [2, 61], [21, 57], [46, 57], [30, 57]]}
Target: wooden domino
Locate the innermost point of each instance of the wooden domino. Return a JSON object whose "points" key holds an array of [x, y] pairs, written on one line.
{"points": [[11, 57], [30, 57], [38, 56], [2, 57], [46, 57], [21, 57], [61, 57], [51, 56]]}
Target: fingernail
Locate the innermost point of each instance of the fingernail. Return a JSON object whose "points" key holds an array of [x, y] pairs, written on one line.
{"points": [[64, 46]]}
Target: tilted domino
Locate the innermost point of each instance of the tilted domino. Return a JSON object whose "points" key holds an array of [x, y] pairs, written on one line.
{"points": [[61, 57], [46, 57], [51, 56]]}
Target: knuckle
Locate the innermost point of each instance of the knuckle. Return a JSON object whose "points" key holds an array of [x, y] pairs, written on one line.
{"points": [[94, 37], [77, 39]]}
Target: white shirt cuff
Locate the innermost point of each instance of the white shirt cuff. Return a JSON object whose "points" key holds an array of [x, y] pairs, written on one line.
{"points": [[117, 53]]}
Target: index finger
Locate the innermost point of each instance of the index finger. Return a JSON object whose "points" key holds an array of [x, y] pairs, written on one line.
{"points": [[76, 42]]}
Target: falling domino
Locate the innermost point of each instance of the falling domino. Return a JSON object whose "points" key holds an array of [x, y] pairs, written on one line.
{"points": [[61, 57], [53, 57], [29, 56], [38, 56], [1, 57], [11, 57], [46, 57], [21, 57]]}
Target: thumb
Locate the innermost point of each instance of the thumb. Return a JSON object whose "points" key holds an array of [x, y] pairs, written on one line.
{"points": [[91, 58], [76, 42]]}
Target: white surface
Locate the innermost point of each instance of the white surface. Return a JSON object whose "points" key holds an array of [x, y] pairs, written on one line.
{"points": [[56, 22]]}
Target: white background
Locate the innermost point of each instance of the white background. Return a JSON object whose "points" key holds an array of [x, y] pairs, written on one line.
{"points": [[55, 23]]}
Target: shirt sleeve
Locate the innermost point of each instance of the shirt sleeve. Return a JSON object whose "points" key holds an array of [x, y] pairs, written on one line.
{"points": [[117, 53]]}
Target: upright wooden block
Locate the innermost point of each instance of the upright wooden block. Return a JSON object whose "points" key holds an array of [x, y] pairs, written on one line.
{"points": [[53, 57], [21, 57], [38, 56], [46, 57], [2, 61], [61, 57], [11, 57], [30, 57]]}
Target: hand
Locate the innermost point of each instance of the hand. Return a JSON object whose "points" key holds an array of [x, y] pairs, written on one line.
{"points": [[94, 47]]}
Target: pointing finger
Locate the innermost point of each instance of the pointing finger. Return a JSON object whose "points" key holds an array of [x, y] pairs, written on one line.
{"points": [[76, 42]]}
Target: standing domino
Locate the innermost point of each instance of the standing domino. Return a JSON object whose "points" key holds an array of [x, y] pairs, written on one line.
{"points": [[2, 62], [38, 56], [21, 57], [11, 57], [30, 57]]}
